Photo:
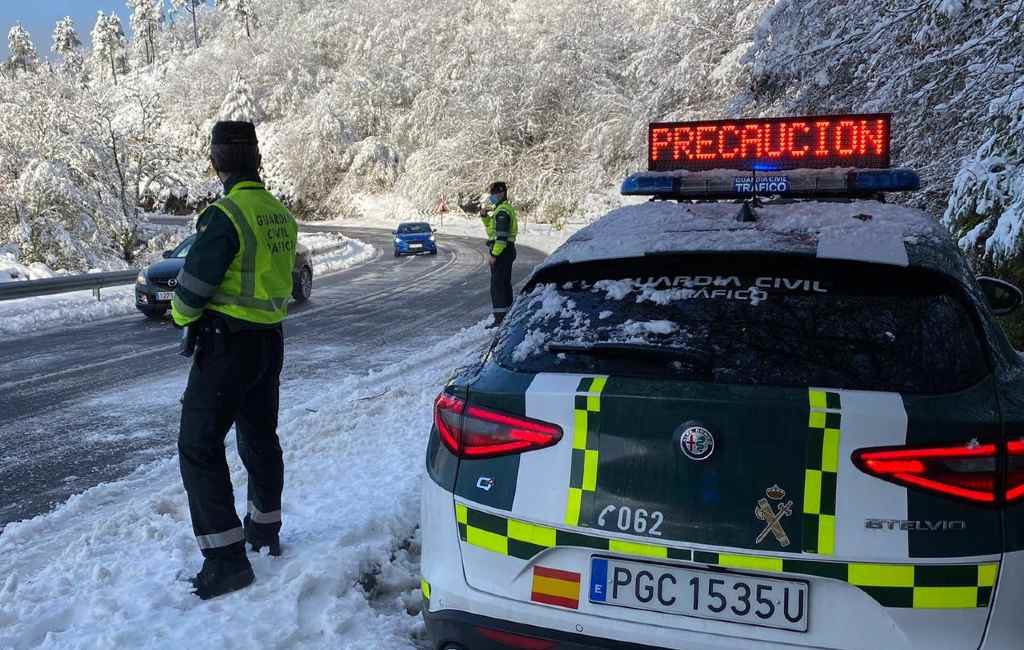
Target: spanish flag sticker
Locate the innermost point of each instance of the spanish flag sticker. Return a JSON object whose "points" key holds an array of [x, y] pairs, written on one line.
{"points": [[555, 587]]}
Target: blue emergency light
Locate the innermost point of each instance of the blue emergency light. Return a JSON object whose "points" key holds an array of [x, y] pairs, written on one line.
{"points": [[794, 183]]}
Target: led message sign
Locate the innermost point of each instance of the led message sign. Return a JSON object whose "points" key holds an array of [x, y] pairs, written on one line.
{"points": [[769, 144]]}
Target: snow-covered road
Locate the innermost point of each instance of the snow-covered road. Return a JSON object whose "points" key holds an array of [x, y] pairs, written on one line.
{"points": [[365, 358], [101, 571]]}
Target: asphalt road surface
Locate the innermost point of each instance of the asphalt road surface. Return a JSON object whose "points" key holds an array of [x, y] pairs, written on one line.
{"points": [[90, 404]]}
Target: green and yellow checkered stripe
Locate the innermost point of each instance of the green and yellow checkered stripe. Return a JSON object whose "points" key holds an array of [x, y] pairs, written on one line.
{"points": [[586, 420], [821, 473], [921, 586]]}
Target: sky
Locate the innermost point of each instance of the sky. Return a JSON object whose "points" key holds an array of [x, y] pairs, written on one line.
{"points": [[40, 16]]}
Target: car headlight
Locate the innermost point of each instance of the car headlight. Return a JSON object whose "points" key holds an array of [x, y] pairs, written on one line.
{"points": [[397, 240], [141, 278], [432, 238]]}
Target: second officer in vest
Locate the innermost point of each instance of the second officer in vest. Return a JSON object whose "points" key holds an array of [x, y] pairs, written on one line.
{"points": [[502, 224], [233, 293]]}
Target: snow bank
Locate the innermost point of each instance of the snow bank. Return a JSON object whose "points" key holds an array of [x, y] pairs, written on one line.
{"points": [[29, 315], [101, 570], [353, 253], [11, 270]]}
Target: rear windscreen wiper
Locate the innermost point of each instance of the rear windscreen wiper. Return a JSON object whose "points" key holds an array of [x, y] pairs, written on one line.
{"points": [[639, 351]]}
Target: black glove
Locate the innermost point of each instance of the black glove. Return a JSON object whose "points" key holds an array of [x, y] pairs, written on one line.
{"points": [[471, 205]]}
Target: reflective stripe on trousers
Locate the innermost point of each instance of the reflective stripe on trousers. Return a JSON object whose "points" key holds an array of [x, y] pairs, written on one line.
{"points": [[258, 517], [220, 540]]}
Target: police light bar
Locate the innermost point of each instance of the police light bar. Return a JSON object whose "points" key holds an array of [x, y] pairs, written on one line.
{"points": [[798, 183], [771, 144]]}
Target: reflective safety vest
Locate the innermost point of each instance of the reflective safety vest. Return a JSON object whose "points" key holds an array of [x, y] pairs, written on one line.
{"points": [[258, 283], [502, 226]]}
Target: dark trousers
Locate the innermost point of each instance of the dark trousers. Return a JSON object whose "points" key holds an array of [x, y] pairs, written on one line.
{"points": [[235, 379], [501, 282]]}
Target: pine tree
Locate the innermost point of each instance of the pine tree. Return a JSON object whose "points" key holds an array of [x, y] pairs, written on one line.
{"points": [[243, 11], [191, 7], [108, 41], [66, 43], [65, 37], [146, 20], [239, 105], [23, 53]]}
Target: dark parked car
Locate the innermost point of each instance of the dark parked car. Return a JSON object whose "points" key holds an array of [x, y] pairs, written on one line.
{"points": [[154, 287]]}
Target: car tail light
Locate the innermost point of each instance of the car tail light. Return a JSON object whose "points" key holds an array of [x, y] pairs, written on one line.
{"points": [[510, 640], [966, 472], [475, 432], [1015, 471]]}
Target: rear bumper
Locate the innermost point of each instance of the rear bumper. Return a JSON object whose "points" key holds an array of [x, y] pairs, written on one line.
{"points": [[474, 632]]}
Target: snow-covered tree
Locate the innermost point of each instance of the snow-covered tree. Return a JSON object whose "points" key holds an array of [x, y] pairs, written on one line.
{"points": [[986, 207], [190, 7], [108, 42], [147, 17], [23, 52], [244, 11], [65, 37], [239, 104], [66, 43]]}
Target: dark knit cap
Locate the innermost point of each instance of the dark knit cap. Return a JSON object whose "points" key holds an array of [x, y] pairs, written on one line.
{"points": [[498, 187], [234, 133]]}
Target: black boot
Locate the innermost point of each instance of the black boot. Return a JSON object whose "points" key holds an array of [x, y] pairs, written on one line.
{"points": [[496, 322], [258, 536], [222, 576]]}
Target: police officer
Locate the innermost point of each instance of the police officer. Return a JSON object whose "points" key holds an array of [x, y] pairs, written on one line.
{"points": [[232, 294], [502, 225]]}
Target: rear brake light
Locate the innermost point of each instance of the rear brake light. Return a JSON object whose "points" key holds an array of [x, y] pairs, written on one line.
{"points": [[475, 432], [1015, 471], [510, 640], [966, 472]]}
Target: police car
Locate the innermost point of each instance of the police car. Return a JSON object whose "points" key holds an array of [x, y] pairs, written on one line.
{"points": [[711, 422]]}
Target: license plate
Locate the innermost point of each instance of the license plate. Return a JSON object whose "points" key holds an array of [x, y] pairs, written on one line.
{"points": [[415, 245], [703, 594], [164, 296]]}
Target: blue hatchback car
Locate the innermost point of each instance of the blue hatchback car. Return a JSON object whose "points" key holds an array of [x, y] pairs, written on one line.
{"points": [[414, 238]]}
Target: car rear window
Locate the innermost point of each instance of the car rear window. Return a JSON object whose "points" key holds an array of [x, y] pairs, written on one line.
{"points": [[749, 319]]}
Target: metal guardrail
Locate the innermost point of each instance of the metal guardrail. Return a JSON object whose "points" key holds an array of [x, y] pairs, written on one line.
{"points": [[92, 281], [49, 286]]}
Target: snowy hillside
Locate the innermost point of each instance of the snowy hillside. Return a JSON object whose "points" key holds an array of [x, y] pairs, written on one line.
{"points": [[431, 99]]}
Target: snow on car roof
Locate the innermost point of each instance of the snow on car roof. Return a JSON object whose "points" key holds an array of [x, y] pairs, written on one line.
{"points": [[862, 230]]}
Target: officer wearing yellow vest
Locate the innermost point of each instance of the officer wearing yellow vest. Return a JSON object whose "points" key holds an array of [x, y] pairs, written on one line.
{"points": [[502, 225], [232, 295]]}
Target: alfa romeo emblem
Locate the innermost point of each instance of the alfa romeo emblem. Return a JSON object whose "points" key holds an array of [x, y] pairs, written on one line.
{"points": [[697, 443]]}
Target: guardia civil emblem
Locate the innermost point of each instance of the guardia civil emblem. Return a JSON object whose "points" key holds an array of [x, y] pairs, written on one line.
{"points": [[773, 516]]}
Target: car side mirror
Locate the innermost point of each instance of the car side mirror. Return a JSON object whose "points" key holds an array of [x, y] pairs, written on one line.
{"points": [[1002, 297], [168, 254], [394, 232]]}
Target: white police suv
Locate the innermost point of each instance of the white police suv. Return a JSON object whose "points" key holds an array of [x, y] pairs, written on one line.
{"points": [[712, 421]]}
